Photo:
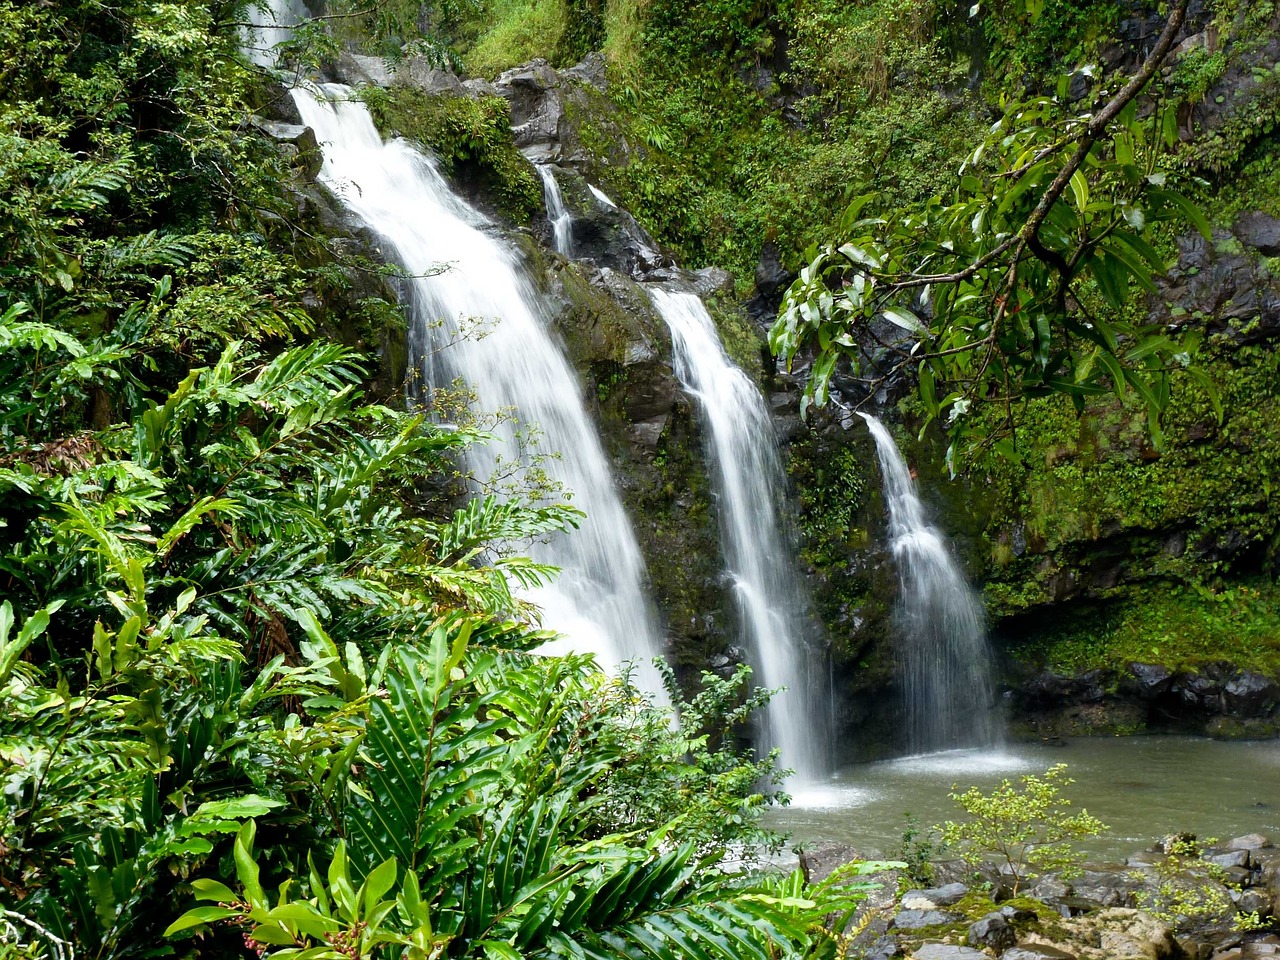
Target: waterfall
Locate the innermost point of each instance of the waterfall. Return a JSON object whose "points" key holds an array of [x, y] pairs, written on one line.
{"points": [[480, 321], [748, 480], [271, 23], [561, 220], [943, 655]]}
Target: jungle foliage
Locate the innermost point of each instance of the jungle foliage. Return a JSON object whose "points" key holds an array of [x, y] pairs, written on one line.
{"points": [[253, 629]]}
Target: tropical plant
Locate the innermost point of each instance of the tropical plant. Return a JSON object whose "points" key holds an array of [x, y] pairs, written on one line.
{"points": [[1018, 285], [1027, 829]]}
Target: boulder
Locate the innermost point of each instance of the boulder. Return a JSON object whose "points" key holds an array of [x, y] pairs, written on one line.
{"points": [[1250, 841], [1232, 858], [533, 90], [297, 140], [1260, 231], [922, 919], [884, 948], [934, 897], [992, 931], [1251, 695]]}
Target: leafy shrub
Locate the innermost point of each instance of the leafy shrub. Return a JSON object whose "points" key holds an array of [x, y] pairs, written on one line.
{"points": [[1026, 829]]}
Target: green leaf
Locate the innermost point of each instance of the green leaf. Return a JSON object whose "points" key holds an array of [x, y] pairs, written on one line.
{"points": [[199, 916]]}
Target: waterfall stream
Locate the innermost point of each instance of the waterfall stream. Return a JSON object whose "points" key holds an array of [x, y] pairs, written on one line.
{"points": [[748, 480], [479, 321], [561, 219], [943, 655]]}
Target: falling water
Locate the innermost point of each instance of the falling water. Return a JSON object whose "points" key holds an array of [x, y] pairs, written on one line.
{"points": [[561, 220], [748, 479], [943, 654], [271, 23], [598, 602]]}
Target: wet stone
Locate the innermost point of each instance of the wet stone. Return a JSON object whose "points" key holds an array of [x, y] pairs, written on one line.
{"points": [[920, 919], [934, 897], [1250, 841], [992, 931], [1232, 858]]}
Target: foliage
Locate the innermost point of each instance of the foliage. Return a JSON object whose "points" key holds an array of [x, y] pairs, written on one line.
{"points": [[471, 137], [1189, 889], [1015, 288], [1027, 829]]}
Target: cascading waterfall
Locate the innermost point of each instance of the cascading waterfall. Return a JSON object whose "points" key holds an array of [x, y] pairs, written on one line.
{"points": [[943, 655], [561, 219], [598, 602], [271, 23], [772, 605]]}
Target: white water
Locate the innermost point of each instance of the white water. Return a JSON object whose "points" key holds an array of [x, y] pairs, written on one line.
{"points": [[561, 220], [748, 480], [943, 655], [272, 23], [600, 195], [598, 602]]}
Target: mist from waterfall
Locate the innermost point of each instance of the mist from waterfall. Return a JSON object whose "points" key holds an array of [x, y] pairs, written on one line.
{"points": [[480, 322], [943, 657], [747, 477], [557, 213]]}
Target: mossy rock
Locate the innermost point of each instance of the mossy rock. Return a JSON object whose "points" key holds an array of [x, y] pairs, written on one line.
{"points": [[471, 138]]}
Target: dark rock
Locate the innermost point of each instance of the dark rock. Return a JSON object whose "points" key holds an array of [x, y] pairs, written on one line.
{"points": [[1017, 914], [992, 931], [1260, 231], [299, 140], [1148, 680], [533, 90], [1251, 695], [921, 919], [592, 71], [1050, 888], [885, 948]]}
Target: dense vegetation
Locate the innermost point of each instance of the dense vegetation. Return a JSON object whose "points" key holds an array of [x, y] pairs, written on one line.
{"points": [[260, 645], [254, 630]]}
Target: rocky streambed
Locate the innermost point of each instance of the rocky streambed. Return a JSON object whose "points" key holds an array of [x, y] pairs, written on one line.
{"points": [[1176, 899]]}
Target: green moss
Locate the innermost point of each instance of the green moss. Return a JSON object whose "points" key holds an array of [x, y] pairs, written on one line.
{"points": [[1183, 627], [470, 137]]}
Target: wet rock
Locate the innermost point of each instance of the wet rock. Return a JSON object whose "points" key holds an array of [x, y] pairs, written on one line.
{"points": [[992, 931], [885, 948], [712, 281], [1260, 231], [533, 90], [1050, 888], [934, 897], [1148, 680], [1251, 695], [1250, 841], [300, 142], [946, 951], [1106, 888], [1232, 858], [922, 919]]}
